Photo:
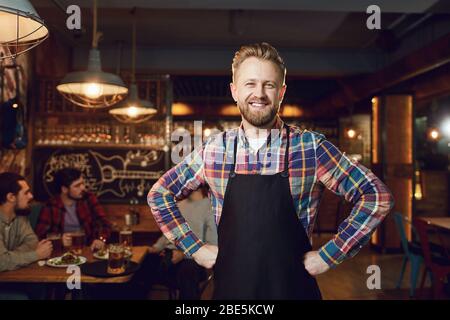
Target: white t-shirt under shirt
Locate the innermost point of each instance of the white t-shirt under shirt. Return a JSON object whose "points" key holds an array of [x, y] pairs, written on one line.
{"points": [[256, 143], [71, 222]]}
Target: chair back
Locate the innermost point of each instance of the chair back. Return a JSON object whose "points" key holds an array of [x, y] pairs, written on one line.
{"points": [[400, 221]]}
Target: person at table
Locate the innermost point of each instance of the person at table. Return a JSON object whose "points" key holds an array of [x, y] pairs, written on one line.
{"points": [[72, 209], [171, 265], [19, 245]]}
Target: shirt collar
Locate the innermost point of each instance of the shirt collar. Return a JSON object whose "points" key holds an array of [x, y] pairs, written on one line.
{"points": [[57, 202], [279, 124], [5, 220]]}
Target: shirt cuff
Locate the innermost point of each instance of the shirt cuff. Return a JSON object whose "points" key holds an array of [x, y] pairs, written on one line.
{"points": [[189, 243], [332, 254]]}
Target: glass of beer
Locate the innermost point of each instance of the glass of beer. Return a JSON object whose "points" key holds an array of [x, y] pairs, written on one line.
{"points": [[116, 259], [126, 238], [56, 240], [78, 241]]}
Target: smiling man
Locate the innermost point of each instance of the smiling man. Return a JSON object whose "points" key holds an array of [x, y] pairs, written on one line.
{"points": [[266, 180]]}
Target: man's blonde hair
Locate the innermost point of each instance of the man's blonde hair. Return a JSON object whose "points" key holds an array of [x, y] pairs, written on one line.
{"points": [[263, 51]]}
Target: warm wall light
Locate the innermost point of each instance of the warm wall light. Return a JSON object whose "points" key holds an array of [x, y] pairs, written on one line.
{"points": [[292, 111], [182, 109], [350, 133], [418, 192], [230, 110], [433, 134], [374, 133]]}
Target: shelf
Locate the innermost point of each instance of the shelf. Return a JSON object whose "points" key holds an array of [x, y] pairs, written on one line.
{"points": [[99, 145]]}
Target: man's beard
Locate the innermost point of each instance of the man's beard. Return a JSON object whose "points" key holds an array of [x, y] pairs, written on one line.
{"points": [[259, 118], [24, 211], [71, 197]]}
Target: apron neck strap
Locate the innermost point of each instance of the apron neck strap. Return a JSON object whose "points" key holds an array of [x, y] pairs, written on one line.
{"points": [[286, 154]]}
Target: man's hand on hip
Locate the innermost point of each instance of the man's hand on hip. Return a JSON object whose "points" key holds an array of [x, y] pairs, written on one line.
{"points": [[206, 256], [314, 264]]}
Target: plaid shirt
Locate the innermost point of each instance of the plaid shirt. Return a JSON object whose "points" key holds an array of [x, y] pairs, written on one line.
{"points": [[314, 163], [90, 214]]}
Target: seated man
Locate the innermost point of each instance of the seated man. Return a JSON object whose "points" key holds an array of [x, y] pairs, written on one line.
{"points": [[171, 264], [72, 209], [19, 245]]}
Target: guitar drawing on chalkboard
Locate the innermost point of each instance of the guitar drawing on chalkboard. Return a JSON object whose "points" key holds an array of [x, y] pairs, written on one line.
{"points": [[113, 172], [107, 174]]}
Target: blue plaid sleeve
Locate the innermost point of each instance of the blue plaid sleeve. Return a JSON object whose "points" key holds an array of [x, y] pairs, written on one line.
{"points": [[370, 197]]}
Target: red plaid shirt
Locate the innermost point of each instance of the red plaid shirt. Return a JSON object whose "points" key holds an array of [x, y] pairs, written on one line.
{"points": [[90, 214]]}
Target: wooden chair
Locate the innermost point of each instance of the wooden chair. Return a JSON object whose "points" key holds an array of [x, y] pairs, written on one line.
{"points": [[438, 265]]}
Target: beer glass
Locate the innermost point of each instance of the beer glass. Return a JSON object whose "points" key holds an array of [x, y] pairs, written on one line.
{"points": [[116, 259], [56, 240], [78, 241], [126, 238]]}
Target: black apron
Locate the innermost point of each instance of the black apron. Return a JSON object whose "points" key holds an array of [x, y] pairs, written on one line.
{"points": [[261, 240]]}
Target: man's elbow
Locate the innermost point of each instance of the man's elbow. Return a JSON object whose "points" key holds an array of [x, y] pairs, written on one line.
{"points": [[153, 194], [386, 204], [391, 201]]}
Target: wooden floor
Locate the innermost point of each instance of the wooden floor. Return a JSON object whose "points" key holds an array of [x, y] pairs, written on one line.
{"points": [[348, 281]]}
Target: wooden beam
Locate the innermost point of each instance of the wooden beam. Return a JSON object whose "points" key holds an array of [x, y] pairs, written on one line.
{"points": [[420, 61]]}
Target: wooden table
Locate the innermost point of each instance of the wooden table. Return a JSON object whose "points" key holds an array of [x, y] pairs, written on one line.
{"points": [[441, 222], [45, 274]]}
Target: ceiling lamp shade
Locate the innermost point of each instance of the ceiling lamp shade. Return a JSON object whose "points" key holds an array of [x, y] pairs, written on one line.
{"points": [[93, 88], [133, 109], [21, 27]]}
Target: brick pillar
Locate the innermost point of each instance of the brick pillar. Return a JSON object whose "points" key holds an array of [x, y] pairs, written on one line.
{"points": [[392, 159]]}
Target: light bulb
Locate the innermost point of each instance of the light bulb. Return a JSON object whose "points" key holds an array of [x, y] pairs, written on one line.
{"points": [[132, 112], [93, 90], [434, 134], [351, 133]]}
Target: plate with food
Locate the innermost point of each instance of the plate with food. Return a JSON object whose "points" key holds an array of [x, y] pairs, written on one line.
{"points": [[66, 260], [103, 254]]}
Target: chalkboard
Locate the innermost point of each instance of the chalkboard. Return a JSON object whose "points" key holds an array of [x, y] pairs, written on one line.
{"points": [[114, 175]]}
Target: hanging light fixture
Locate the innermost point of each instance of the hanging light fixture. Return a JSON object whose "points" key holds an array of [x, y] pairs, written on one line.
{"points": [[21, 27], [93, 88], [133, 109]]}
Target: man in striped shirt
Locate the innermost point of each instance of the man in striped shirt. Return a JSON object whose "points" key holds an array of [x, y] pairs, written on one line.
{"points": [[265, 183]]}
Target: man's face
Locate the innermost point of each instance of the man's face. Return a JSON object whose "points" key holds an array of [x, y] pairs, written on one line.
{"points": [[23, 197], [258, 90], [76, 190]]}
